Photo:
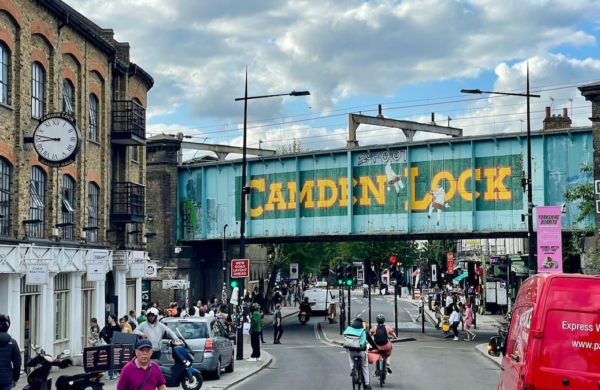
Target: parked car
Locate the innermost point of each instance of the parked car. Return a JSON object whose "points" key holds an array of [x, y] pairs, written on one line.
{"points": [[211, 344]]}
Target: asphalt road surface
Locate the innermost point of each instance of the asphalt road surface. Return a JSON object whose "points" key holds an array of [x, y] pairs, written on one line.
{"points": [[304, 361]]}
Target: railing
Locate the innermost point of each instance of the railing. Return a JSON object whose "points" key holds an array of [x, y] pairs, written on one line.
{"points": [[128, 202], [128, 120]]}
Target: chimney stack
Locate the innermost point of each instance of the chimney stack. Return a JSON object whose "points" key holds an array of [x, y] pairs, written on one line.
{"points": [[555, 122]]}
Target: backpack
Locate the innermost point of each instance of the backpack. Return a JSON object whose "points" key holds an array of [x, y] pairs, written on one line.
{"points": [[352, 342], [381, 336]]}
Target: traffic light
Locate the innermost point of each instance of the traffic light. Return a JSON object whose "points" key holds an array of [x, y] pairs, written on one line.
{"points": [[393, 260], [367, 274], [233, 283], [349, 275], [340, 275]]}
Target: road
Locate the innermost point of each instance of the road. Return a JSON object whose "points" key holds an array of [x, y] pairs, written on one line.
{"points": [[429, 362]]}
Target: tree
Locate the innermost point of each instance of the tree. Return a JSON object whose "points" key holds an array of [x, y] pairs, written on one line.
{"points": [[584, 193], [294, 147]]}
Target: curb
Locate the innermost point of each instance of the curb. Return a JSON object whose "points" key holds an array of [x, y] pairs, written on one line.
{"points": [[499, 364], [265, 364]]}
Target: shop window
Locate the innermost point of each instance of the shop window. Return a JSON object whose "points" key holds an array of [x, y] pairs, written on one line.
{"points": [[37, 201], [68, 207], [4, 74], [5, 179], [62, 312], [93, 207], [38, 90]]}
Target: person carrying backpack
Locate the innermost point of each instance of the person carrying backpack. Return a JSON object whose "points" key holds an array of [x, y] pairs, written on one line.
{"points": [[381, 335], [355, 342]]}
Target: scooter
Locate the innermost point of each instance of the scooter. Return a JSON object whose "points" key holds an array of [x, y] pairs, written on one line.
{"points": [[182, 373], [43, 363], [303, 317]]}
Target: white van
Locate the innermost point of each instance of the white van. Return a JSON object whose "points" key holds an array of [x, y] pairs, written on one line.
{"points": [[318, 300]]}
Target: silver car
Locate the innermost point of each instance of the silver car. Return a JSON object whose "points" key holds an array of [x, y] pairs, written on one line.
{"points": [[211, 345]]}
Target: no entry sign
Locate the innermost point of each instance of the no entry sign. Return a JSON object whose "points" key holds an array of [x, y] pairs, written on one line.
{"points": [[240, 268]]}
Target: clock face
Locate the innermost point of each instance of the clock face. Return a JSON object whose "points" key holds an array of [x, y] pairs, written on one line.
{"points": [[57, 141]]}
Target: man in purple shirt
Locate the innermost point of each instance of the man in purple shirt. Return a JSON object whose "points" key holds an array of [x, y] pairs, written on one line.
{"points": [[141, 371]]}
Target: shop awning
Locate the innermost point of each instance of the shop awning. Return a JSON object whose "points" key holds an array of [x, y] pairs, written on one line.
{"points": [[459, 278]]}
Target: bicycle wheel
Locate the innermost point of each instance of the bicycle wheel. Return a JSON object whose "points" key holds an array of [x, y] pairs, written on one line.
{"points": [[382, 372], [355, 379]]}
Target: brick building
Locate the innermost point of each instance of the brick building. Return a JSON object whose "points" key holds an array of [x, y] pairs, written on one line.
{"points": [[79, 226]]}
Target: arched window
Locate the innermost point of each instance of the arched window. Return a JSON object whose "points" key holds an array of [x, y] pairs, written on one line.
{"points": [[5, 179], [68, 207], [68, 97], [93, 117], [38, 90], [93, 208], [37, 201], [4, 74]]}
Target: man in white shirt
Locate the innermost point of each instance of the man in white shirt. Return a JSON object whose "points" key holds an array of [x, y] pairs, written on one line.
{"points": [[449, 302], [454, 321], [365, 290]]}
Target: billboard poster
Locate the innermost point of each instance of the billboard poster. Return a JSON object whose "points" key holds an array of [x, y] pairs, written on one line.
{"points": [[549, 239], [450, 263]]}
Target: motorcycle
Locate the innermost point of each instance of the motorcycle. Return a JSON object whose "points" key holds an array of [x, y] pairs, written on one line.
{"points": [[43, 363], [303, 317], [182, 372]]}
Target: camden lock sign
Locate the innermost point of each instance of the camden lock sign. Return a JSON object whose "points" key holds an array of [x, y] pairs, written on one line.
{"points": [[384, 188]]}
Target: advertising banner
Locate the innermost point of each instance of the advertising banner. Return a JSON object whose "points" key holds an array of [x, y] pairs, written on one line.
{"points": [[450, 263], [549, 239]]}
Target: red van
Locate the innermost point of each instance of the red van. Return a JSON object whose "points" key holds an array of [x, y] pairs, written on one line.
{"points": [[554, 337]]}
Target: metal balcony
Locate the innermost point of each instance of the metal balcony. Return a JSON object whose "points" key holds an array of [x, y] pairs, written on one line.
{"points": [[128, 203], [128, 123]]}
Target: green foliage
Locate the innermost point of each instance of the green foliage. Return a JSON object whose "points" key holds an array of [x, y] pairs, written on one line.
{"points": [[583, 192], [294, 147]]}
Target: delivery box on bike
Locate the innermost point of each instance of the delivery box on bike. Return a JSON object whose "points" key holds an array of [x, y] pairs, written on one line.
{"points": [[553, 340]]}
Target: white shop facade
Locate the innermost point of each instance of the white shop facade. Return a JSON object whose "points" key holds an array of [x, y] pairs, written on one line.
{"points": [[51, 293]]}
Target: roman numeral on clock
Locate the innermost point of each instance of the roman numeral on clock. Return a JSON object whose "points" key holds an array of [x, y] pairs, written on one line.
{"points": [[70, 148], [73, 139]]}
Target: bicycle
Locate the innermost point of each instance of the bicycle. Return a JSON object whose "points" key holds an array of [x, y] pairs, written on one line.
{"points": [[381, 370], [358, 378]]}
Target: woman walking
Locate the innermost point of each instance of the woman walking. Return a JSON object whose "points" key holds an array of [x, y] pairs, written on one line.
{"points": [[107, 334], [93, 335], [469, 322]]}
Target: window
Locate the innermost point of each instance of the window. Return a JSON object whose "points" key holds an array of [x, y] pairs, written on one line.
{"points": [[68, 97], [37, 199], [93, 203], [4, 74], [190, 330], [61, 300], [68, 203], [38, 90], [134, 153], [93, 118], [5, 176]]}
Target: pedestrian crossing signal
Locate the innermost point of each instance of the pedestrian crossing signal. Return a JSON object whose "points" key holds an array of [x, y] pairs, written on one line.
{"points": [[233, 283]]}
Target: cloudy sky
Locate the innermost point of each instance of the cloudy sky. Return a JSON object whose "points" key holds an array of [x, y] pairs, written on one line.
{"points": [[412, 57]]}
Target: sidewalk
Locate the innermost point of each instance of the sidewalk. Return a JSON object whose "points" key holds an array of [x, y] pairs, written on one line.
{"points": [[482, 348], [243, 369]]}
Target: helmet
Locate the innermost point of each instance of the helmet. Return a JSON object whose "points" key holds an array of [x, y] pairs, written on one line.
{"points": [[306, 299], [255, 307], [152, 312], [4, 323], [380, 318]]}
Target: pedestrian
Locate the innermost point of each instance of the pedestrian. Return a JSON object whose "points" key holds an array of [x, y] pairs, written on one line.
{"points": [[255, 329], [438, 314], [107, 335], [142, 318], [125, 326], [284, 293], [10, 356], [277, 325], [133, 320], [455, 320], [461, 311], [141, 373], [93, 334], [469, 322], [449, 303]]}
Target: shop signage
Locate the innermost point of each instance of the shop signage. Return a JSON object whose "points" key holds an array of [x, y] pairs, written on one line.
{"points": [[119, 258], [37, 274], [95, 272], [450, 263], [150, 270], [137, 270], [178, 284], [100, 256]]}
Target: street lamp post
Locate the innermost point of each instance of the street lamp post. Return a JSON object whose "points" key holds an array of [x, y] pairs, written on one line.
{"points": [[530, 233], [245, 191], [224, 264]]}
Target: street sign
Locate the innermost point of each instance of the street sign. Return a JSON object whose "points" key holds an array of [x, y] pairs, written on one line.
{"points": [[549, 238], [434, 272], [240, 268], [294, 271], [393, 282], [417, 293]]}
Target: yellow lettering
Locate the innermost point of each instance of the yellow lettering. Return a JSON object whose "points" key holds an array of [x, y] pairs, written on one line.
{"points": [[462, 181], [417, 204], [306, 195], [445, 175], [275, 197], [291, 186], [259, 185], [378, 193], [323, 185], [495, 188], [343, 183]]}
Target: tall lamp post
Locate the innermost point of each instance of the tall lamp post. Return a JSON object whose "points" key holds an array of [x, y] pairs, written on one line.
{"points": [[224, 264], [245, 191], [530, 233]]}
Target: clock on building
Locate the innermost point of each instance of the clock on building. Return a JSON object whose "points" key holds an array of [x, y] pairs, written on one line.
{"points": [[56, 140]]}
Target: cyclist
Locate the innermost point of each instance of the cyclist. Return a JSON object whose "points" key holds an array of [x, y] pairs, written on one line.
{"points": [[357, 330], [381, 334]]}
